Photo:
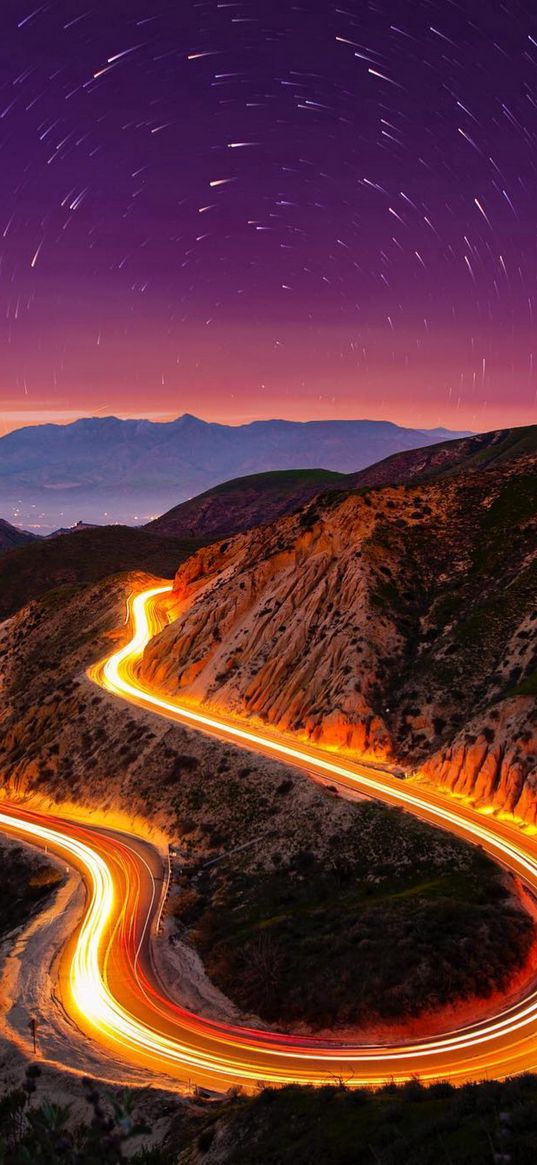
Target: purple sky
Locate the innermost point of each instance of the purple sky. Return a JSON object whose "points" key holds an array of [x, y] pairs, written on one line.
{"points": [[266, 207]]}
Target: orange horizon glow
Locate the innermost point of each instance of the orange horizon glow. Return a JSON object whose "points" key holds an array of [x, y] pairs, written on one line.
{"points": [[12, 420]]}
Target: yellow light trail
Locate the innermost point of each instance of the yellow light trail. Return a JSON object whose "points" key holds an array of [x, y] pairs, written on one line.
{"points": [[113, 992]]}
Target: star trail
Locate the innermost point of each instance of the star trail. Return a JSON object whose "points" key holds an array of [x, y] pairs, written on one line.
{"points": [[259, 207]]}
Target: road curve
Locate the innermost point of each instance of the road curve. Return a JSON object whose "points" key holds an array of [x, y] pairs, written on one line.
{"points": [[111, 987]]}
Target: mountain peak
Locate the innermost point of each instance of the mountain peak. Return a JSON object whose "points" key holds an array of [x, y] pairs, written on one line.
{"points": [[189, 420]]}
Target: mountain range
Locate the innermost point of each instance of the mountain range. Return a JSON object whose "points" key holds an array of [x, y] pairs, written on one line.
{"points": [[95, 467]]}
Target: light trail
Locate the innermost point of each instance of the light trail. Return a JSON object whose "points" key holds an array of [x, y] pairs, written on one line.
{"points": [[113, 991]]}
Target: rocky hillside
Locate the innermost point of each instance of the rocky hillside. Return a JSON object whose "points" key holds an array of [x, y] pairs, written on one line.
{"points": [[394, 622], [27, 880], [468, 454]]}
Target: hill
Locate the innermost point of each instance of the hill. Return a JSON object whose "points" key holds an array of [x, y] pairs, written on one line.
{"points": [[87, 553], [11, 536], [256, 500], [406, 1125], [471, 454], [393, 621], [82, 556], [245, 502], [75, 529], [333, 893]]}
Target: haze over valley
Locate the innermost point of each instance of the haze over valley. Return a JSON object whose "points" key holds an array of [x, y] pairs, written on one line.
{"points": [[104, 470]]}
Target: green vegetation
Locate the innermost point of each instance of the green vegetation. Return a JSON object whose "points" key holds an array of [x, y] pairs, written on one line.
{"points": [[47, 1133], [458, 581], [515, 503], [528, 687], [483, 451], [277, 479], [488, 615], [410, 1125], [505, 528], [386, 597], [446, 608], [344, 941]]}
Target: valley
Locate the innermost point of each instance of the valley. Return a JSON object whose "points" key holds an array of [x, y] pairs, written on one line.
{"points": [[335, 642]]}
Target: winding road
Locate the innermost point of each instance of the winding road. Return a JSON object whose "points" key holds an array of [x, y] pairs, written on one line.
{"points": [[110, 985]]}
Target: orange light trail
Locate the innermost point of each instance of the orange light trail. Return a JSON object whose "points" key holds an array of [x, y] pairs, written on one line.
{"points": [[113, 991]]}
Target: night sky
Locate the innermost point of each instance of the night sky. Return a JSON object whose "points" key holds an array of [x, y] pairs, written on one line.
{"points": [[266, 208]]}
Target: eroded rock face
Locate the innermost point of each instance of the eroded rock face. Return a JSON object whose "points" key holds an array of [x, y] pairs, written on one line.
{"points": [[394, 623], [494, 760], [273, 627]]}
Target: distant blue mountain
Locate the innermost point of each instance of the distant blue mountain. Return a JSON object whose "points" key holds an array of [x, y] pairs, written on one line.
{"points": [[103, 468], [190, 455]]}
